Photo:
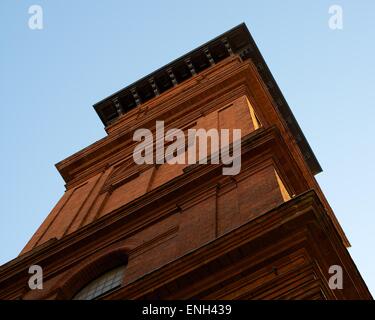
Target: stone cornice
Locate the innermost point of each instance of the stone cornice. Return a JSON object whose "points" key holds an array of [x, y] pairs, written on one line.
{"points": [[304, 217]]}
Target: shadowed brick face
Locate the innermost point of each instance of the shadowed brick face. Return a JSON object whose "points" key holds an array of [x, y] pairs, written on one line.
{"points": [[187, 231]]}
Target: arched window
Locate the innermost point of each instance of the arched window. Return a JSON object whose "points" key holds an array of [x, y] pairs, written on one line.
{"points": [[105, 283]]}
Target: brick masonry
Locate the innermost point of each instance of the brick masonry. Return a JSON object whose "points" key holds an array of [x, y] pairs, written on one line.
{"points": [[168, 223]]}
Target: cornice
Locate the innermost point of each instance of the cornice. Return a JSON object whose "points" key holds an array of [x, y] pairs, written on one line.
{"points": [[292, 221], [183, 104], [235, 42], [301, 208]]}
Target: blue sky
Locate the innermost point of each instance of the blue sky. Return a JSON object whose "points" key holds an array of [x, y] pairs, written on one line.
{"points": [[50, 78]]}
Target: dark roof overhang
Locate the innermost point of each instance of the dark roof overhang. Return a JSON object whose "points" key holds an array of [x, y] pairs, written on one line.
{"points": [[237, 40]]}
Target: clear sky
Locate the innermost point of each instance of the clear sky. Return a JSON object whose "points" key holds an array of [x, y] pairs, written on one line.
{"points": [[50, 78]]}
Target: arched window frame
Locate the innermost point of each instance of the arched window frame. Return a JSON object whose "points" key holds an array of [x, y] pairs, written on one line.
{"points": [[90, 270], [102, 285]]}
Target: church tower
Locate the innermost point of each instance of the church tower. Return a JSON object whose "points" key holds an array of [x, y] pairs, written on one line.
{"points": [[124, 230]]}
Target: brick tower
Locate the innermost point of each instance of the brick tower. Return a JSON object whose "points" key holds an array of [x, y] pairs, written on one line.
{"points": [[177, 231]]}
